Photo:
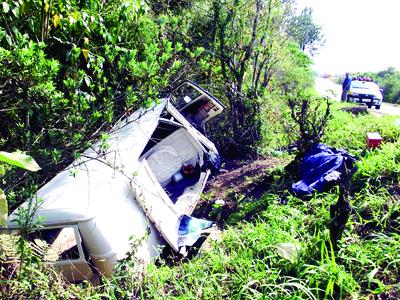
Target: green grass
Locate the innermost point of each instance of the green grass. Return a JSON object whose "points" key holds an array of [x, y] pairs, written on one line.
{"points": [[349, 132], [247, 263], [256, 260], [373, 261], [380, 165]]}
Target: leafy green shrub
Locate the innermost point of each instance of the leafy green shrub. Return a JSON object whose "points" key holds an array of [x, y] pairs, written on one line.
{"points": [[277, 126], [96, 61], [299, 121]]}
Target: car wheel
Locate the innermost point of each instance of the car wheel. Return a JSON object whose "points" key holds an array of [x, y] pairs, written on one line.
{"points": [[369, 105], [377, 106]]}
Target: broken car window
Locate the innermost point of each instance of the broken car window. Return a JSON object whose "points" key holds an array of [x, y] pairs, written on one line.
{"points": [[55, 244], [184, 95]]}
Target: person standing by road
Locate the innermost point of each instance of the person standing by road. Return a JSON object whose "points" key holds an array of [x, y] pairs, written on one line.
{"points": [[346, 86]]}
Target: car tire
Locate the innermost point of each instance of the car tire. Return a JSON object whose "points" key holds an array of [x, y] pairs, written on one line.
{"points": [[369, 105], [378, 106]]}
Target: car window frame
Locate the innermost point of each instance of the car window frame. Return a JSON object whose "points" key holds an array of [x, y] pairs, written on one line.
{"points": [[79, 244]]}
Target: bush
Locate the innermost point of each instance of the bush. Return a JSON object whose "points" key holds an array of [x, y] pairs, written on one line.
{"points": [[310, 118], [95, 62]]}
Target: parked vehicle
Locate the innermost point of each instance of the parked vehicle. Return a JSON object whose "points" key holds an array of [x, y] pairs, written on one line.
{"points": [[142, 183], [365, 91]]}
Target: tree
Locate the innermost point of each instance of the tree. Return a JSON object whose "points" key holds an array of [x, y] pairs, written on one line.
{"points": [[247, 39], [293, 73], [389, 81], [70, 70], [305, 32], [164, 6]]}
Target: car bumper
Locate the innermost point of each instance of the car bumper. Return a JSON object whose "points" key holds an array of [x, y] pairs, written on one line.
{"points": [[364, 99]]}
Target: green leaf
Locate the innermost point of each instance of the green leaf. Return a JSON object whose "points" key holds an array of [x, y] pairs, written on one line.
{"points": [[3, 209], [2, 170], [85, 53], [6, 7], [15, 11], [76, 15], [15, 30], [199, 51], [9, 40], [75, 52], [20, 160], [56, 20], [87, 80]]}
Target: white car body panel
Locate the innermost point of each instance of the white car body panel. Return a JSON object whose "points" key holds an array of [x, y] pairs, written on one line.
{"points": [[111, 194]]}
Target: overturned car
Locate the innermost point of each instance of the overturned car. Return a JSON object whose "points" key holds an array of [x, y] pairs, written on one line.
{"points": [[142, 185]]}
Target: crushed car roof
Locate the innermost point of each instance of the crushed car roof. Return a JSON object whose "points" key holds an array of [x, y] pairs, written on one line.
{"points": [[91, 185]]}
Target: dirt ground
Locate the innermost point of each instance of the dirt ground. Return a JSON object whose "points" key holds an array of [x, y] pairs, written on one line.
{"points": [[240, 176], [238, 179]]}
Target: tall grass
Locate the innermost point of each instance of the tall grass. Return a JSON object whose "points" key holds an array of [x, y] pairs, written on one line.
{"points": [[380, 164], [282, 254]]}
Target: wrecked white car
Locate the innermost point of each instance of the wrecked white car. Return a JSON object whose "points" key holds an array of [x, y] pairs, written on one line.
{"points": [[142, 183]]}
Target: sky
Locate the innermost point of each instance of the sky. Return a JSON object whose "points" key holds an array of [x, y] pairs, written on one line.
{"points": [[361, 35]]}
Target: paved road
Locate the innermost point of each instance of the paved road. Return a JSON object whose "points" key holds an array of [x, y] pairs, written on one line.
{"points": [[387, 109], [325, 87]]}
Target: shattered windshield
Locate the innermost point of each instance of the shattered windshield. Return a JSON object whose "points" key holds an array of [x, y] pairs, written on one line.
{"points": [[183, 95]]}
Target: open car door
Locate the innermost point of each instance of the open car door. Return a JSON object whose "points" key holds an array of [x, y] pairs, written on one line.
{"points": [[196, 104], [178, 229]]}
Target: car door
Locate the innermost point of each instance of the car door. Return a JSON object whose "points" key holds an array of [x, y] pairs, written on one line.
{"points": [[196, 104], [209, 146]]}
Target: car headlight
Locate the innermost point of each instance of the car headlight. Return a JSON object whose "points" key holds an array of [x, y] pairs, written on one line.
{"points": [[353, 94]]}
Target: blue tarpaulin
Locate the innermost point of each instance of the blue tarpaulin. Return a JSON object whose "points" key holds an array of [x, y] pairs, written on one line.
{"points": [[190, 230], [320, 166]]}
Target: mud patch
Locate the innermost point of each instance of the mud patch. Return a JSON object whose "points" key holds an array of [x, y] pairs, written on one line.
{"points": [[242, 177], [239, 180]]}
